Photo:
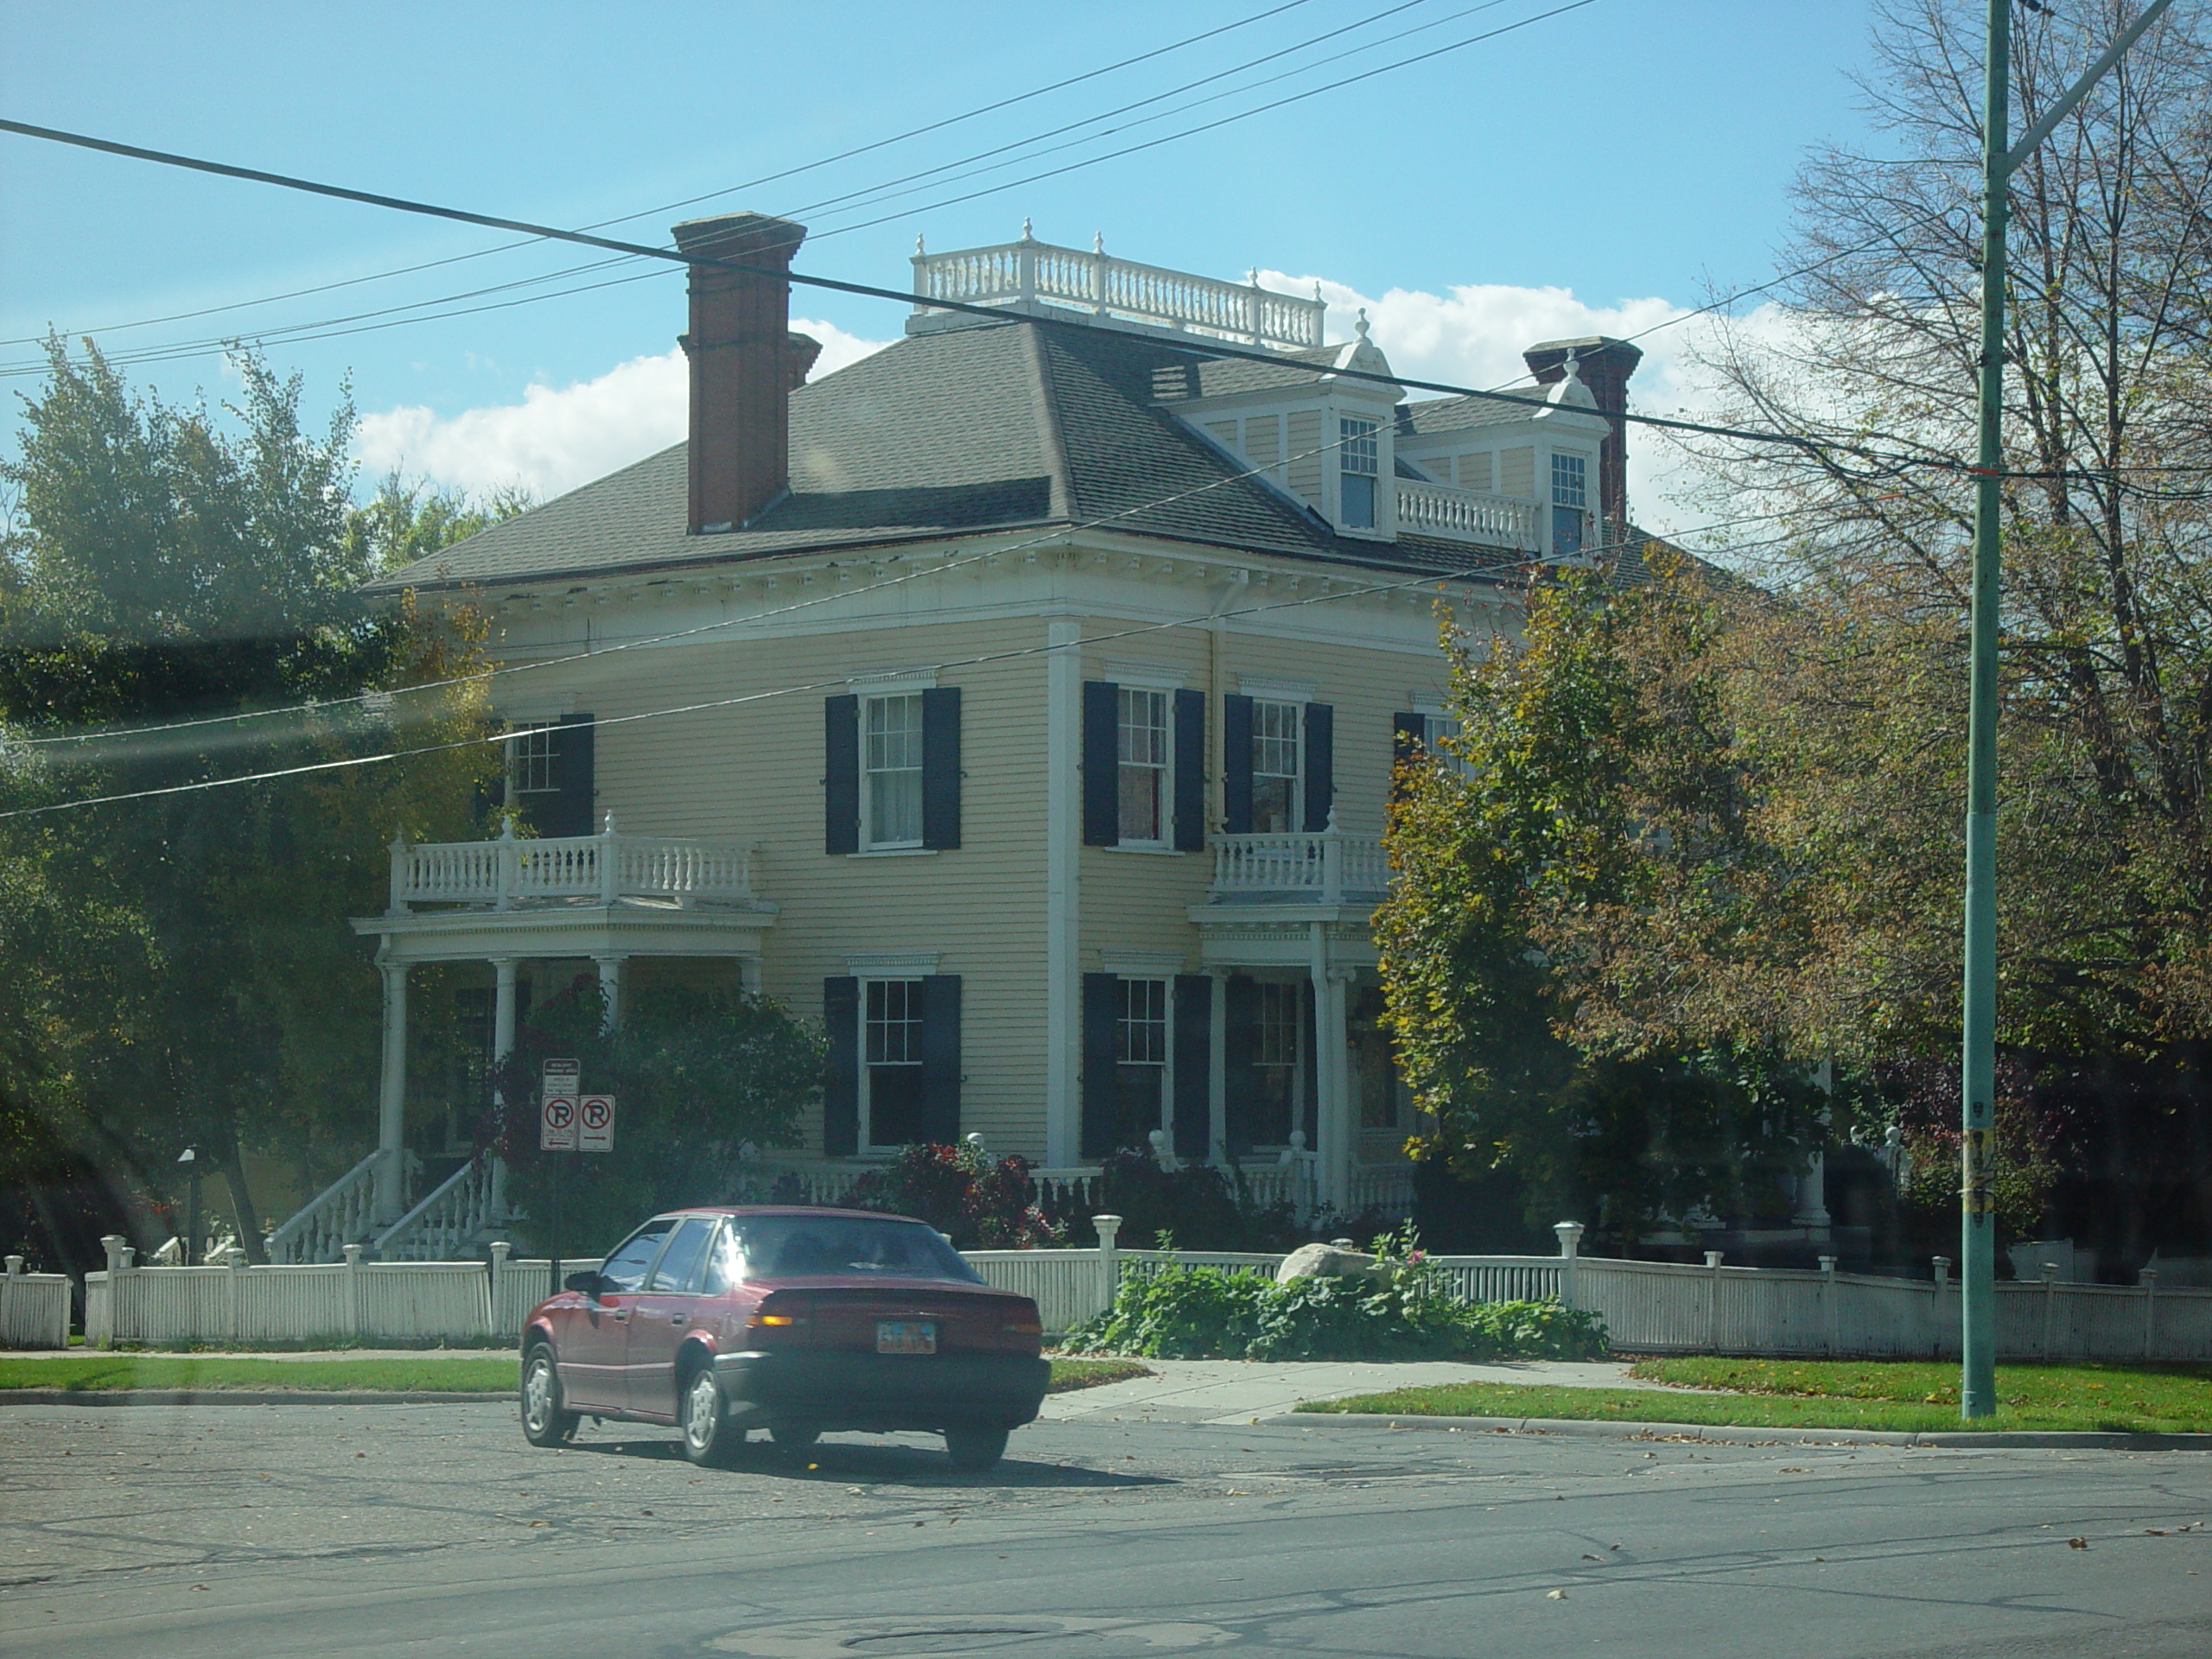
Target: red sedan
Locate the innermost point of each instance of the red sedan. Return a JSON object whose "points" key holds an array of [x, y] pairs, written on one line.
{"points": [[796, 1321]]}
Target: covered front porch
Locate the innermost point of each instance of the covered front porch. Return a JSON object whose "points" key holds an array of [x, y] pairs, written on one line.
{"points": [[517, 907]]}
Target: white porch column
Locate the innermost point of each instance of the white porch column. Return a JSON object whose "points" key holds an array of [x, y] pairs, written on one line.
{"points": [[391, 1098], [1331, 1167], [1343, 1149], [610, 986], [1063, 902], [503, 1044], [1217, 1068]]}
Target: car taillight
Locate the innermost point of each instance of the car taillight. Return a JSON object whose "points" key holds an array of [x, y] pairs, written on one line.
{"points": [[779, 1318], [1022, 1328]]}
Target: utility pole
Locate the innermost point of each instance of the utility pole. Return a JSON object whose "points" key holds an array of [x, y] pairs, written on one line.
{"points": [[1978, 1060]]}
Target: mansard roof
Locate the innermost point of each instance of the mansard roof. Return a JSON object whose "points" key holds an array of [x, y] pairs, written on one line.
{"points": [[1000, 426]]}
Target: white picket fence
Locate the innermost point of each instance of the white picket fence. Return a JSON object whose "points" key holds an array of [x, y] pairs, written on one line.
{"points": [[34, 1308], [1647, 1306]]}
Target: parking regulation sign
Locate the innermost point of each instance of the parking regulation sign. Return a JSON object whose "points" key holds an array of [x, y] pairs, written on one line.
{"points": [[556, 1124], [595, 1123]]}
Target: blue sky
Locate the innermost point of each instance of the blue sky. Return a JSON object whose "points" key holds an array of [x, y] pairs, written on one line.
{"points": [[1600, 167]]}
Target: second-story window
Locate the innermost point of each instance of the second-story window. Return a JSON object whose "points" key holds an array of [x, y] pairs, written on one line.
{"points": [[531, 765], [1276, 753], [1359, 467], [1570, 502], [1141, 745], [892, 771]]}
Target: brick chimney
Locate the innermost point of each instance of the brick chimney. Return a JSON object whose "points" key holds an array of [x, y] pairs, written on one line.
{"points": [[1605, 365], [745, 365]]}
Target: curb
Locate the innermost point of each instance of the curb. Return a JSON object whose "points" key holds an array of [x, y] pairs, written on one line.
{"points": [[2052, 1440], [242, 1397]]}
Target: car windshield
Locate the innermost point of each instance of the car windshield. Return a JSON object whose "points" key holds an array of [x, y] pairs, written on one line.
{"points": [[786, 1246]]}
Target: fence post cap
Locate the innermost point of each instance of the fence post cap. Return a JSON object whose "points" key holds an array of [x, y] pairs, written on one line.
{"points": [[1569, 1234], [15, 1266], [500, 1249], [352, 1253], [1712, 1258], [1827, 1263], [2148, 1276]]}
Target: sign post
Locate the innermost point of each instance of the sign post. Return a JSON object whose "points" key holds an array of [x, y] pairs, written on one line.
{"points": [[556, 1131]]}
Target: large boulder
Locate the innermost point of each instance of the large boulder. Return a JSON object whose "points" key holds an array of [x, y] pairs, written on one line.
{"points": [[1328, 1261]]}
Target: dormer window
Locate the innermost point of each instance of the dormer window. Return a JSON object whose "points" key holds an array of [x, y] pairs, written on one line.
{"points": [[1358, 466], [1570, 502]]}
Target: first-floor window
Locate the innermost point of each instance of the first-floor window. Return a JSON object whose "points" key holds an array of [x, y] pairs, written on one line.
{"points": [[1374, 1066], [1276, 1061], [891, 1070], [891, 771], [1141, 1061]]}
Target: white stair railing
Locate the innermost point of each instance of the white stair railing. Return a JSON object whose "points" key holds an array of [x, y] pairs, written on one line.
{"points": [[342, 1213], [449, 1217]]}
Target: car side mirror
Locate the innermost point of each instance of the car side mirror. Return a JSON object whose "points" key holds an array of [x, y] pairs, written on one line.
{"points": [[586, 1281]]}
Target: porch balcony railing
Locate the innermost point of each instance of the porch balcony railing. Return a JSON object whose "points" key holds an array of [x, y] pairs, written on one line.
{"points": [[1427, 509], [1329, 868], [606, 867], [1029, 275]]}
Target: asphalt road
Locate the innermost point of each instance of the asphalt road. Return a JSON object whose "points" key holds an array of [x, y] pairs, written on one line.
{"points": [[319, 1529]]}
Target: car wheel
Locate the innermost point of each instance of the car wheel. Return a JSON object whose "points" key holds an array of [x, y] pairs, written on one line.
{"points": [[791, 1435], [710, 1440], [545, 1421], [975, 1448]]}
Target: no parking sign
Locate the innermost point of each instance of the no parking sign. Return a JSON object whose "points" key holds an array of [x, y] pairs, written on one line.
{"points": [[595, 1123]]}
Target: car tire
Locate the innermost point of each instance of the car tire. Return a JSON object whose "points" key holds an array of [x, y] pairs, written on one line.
{"points": [[710, 1440], [793, 1438], [975, 1449], [545, 1421]]}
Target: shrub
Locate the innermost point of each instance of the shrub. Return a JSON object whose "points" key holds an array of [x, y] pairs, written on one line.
{"points": [[1174, 1312], [977, 1203]]}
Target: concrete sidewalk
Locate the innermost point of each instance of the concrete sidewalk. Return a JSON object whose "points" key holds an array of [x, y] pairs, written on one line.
{"points": [[1237, 1391]]}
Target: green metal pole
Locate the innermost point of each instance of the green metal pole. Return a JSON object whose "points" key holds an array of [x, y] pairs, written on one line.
{"points": [[1977, 1068]]}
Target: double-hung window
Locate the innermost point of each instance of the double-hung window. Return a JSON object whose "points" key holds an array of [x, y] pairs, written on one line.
{"points": [[1570, 505], [891, 1071], [530, 761], [891, 781], [1141, 1061], [1359, 467], [1278, 1073], [1277, 753], [1142, 737]]}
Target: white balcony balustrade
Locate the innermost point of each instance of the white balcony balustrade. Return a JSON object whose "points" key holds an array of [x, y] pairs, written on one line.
{"points": [[1029, 275], [1426, 509], [1329, 868], [604, 868]]}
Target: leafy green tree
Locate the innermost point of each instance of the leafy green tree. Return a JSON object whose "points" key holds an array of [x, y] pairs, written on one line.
{"points": [[169, 573], [699, 1074], [1592, 776]]}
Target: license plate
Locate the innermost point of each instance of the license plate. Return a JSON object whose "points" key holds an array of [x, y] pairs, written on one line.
{"points": [[906, 1336]]}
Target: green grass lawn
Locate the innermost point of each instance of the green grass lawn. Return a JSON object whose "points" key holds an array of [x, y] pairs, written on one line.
{"points": [[1835, 1393], [460, 1373]]}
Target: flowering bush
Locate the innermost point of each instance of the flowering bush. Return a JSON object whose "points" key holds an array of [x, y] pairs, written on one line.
{"points": [[977, 1202]]}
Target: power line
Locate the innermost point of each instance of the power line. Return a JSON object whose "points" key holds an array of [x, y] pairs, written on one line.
{"points": [[768, 178], [326, 704], [1209, 348], [597, 723]]}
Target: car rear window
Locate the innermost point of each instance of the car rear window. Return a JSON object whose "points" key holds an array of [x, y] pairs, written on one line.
{"points": [[781, 1247]]}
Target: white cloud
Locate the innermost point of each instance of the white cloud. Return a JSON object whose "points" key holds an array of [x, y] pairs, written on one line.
{"points": [[559, 437], [1474, 335]]}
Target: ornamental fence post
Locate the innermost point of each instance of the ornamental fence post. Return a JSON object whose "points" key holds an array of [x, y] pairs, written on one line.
{"points": [[1713, 1300], [2149, 1281], [354, 1289], [1110, 1267], [1569, 1234]]}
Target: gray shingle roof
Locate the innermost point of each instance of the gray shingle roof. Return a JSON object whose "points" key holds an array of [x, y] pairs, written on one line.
{"points": [[1002, 425]]}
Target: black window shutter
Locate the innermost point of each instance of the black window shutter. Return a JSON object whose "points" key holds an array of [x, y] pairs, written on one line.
{"points": [[1102, 763], [1101, 1009], [1409, 733], [1236, 764], [1310, 1065], [841, 774], [1321, 764], [1240, 1018], [567, 812], [1189, 772], [941, 766], [941, 1058], [841, 1089], [1193, 1064]]}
